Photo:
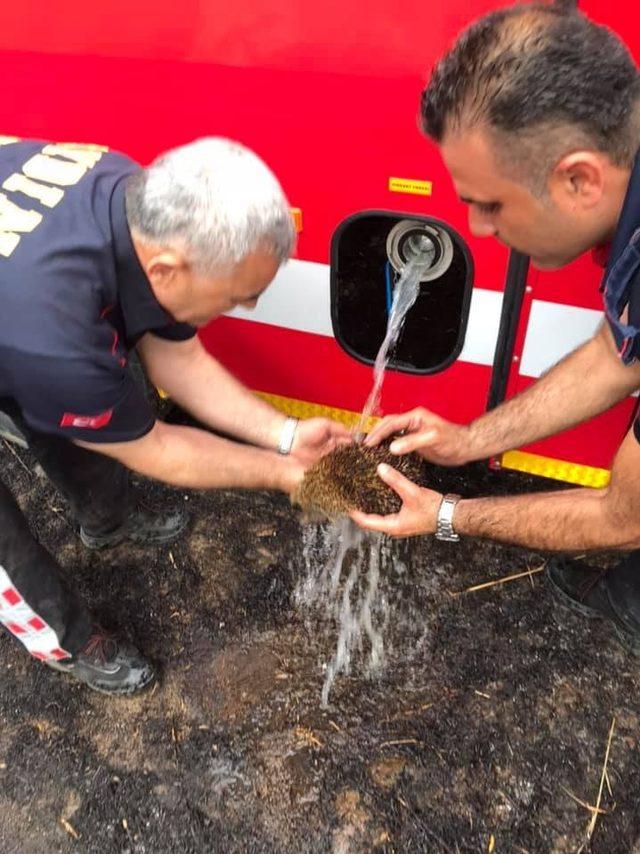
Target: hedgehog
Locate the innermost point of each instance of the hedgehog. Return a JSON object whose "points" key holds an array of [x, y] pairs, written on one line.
{"points": [[346, 479]]}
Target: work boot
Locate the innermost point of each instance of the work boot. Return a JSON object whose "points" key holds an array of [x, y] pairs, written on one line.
{"points": [[580, 587], [145, 527], [108, 665], [593, 592]]}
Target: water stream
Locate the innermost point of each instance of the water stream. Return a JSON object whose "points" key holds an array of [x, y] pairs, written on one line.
{"points": [[342, 563], [405, 294]]}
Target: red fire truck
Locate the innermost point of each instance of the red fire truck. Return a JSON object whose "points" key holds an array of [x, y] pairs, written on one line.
{"points": [[328, 95]]}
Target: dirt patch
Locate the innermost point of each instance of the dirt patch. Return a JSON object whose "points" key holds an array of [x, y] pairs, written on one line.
{"points": [[491, 724]]}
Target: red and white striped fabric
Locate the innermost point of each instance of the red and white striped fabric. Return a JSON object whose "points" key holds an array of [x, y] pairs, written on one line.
{"points": [[31, 630]]}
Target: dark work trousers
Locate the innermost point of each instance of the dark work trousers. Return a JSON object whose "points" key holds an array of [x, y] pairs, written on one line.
{"points": [[36, 605], [623, 589]]}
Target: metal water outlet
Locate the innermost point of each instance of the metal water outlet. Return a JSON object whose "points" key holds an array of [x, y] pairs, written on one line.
{"points": [[429, 245]]}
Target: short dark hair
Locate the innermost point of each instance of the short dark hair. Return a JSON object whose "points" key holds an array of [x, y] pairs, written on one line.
{"points": [[545, 75]]}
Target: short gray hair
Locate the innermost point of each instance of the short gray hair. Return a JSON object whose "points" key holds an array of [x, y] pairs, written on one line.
{"points": [[213, 198]]}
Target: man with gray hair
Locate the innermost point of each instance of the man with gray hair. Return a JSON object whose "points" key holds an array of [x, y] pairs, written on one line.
{"points": [[536, 112], [99, 257]]}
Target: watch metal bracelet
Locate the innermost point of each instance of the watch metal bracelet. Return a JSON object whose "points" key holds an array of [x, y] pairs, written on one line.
{"points": [[287, 435], [444, 523]]}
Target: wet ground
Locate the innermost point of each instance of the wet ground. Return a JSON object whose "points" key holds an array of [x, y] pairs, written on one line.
{"points": [[488, 724]]}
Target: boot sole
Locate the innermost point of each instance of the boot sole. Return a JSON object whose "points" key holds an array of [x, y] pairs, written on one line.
{"points": [[139, 541], [113, 692]]}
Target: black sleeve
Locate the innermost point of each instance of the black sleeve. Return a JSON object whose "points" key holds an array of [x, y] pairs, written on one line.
{"points": [[175, 332], [82, 400], [636, 421]]}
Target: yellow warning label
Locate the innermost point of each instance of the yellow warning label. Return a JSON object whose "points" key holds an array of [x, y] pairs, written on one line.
{"points": [[410, 185], [556, 469]]}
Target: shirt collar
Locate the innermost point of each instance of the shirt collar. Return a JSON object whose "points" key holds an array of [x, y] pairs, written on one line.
{"points": [[629, 217], [141, 311]]}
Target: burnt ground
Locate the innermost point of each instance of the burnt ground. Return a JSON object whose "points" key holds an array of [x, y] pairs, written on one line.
{"points": [[482, 729]]}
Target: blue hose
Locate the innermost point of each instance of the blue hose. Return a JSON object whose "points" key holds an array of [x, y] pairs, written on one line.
{"points": [[389, 283]]}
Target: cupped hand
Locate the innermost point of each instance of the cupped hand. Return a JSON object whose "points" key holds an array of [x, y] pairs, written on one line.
{"points": [[434, 438], [417, 515], [316, 437], [290, 473]]}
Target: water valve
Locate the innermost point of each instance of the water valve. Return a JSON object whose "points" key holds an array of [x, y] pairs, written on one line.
{"points": [[432, 246], [370, 251]]}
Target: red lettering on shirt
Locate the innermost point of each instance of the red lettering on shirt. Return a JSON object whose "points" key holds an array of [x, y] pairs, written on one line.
{"points": [[86, 422]]}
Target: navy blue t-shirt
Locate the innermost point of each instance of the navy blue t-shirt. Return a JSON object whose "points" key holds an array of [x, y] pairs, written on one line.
{"points": [[621, 282], [73, 296]]}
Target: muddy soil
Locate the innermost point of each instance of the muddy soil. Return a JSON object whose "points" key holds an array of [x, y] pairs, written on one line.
{"points": [[482, 736]]}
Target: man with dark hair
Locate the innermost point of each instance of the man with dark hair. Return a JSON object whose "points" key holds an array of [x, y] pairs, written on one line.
{"points": [[537, 115]]}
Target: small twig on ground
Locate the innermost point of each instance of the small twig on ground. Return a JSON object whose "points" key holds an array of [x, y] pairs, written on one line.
{"points": [[504, 580], [63, 516], [400, 741], [594, 817], [18, 457], [407, 713], [606, 779], [335, 726], [69, 828], [582, 803], [307, 738]]}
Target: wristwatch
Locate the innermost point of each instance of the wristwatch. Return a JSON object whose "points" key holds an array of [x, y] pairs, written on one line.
{"points": [[287, 435], [444, 523]]}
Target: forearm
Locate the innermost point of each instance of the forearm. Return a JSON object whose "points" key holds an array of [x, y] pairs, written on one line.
{"points": [[205, 389], [188, 457], [584, 384], [221, 402], [571, 520]]}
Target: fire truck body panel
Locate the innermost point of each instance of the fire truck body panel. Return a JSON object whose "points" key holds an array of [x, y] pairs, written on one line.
{"points": [[329, 97]]}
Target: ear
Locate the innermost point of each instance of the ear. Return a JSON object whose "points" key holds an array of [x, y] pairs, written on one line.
{"points": [[162, 269], [578, 179]]}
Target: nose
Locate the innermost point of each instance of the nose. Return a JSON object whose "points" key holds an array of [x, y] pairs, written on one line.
{"points": [[480, 225]]}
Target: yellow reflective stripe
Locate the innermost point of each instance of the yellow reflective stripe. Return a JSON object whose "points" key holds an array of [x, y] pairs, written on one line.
{"points": [[306, 409], [516, 460], [555, 469]]}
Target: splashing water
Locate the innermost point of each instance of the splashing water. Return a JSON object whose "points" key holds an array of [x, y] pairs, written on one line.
{"points": [[342, 573], [405, 294]]}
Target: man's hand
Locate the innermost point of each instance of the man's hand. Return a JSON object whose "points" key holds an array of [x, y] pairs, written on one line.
{"points": [[418, 514], [316, 437], [291, 472], [435, 439]]}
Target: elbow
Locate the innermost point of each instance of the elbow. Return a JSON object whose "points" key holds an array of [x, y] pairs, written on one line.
{"points": [[622, 523]]}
